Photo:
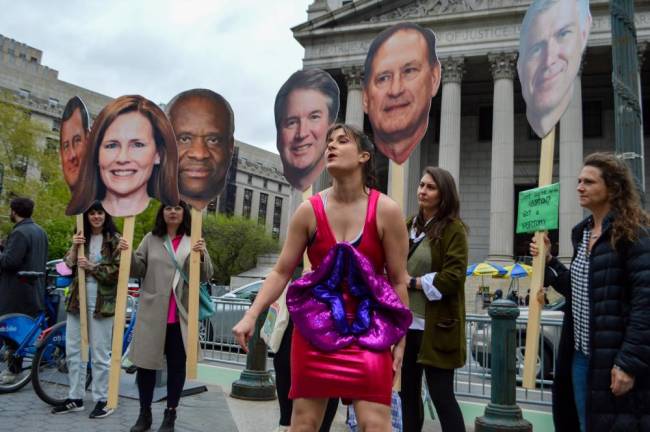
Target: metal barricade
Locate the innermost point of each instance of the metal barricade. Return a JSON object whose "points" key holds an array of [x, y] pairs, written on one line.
{"points": [[474, 380], [215, 333]]}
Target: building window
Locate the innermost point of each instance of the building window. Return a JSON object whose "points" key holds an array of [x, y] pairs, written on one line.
{"points": [[51, 145], [261, 215], [277, 218], [592, 120], [229, 203], [250, 179], [485, 123], [646, 117], [53, 102], [23, 93], [56, 125], [248, 199], [279, 187], [266, 183]]}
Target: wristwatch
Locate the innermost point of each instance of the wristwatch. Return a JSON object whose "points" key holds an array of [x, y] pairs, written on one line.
{"points": [[412, 283]]}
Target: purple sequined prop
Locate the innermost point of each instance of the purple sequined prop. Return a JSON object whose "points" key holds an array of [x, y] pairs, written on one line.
{"points": [[316, 305]]}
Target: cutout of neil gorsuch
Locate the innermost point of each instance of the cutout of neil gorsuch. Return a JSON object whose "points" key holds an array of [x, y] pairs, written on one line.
{"points": [[204, 125], [553, 37], [305, 107], [75, 124], [401, 76]]}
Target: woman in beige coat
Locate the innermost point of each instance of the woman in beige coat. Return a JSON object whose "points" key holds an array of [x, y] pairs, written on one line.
{"points": [[161, 325]]}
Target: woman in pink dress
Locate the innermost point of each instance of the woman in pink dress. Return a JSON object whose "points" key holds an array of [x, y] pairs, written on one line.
{"points": [[349, 313]]}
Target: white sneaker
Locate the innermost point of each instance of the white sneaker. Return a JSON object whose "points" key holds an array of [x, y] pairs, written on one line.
{"points": [[8, 378]]}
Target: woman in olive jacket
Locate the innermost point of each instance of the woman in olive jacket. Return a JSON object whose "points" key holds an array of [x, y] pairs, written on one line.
{"points": [[435, 342], [602, 377]]}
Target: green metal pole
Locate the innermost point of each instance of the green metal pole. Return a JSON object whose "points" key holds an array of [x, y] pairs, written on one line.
{"points": [[255, 382], [502, 413], [625, 82]]}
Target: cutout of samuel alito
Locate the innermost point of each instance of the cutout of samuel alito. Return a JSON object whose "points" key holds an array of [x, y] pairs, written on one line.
{"points": [[553, 37], [401, 76], [306, 105], [204, 125], [73, 138]]}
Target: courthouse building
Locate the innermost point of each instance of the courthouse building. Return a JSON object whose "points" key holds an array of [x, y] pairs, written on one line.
{"points": [[479, 134]]}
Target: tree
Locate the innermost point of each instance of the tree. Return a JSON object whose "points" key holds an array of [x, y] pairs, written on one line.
{"points": [[234, 244]]}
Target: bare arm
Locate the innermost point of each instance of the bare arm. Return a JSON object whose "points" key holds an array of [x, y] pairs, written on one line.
{"points": [[392, 231], [275, 282]]}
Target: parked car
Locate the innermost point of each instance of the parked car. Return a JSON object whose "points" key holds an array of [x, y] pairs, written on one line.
{"points": [[230, 308], [550, 339]]}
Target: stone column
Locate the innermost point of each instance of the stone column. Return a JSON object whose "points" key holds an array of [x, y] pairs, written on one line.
{"points": [[354, 106], [449, 155], [503, 153], [571, 149]]}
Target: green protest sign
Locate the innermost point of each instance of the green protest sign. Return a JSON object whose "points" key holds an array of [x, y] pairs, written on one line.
{"points": [[538, 209]]}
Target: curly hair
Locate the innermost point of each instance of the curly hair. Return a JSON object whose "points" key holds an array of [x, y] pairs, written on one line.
{"points": [[623, 197]]}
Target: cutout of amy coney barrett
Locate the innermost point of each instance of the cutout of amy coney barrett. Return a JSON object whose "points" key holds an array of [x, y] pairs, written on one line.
{"points": [[306, 105], [131, 158], [553, 38], [204, 125], [401, 76], [73, 138]]}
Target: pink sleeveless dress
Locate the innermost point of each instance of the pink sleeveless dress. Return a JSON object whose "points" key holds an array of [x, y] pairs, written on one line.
{"points": [[352, 372]]}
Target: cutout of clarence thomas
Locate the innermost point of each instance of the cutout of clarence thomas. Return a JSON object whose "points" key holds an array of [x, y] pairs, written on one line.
{"points": [[553, 37], [401, 76], [73, 137], [204, 125], [306, 105]]}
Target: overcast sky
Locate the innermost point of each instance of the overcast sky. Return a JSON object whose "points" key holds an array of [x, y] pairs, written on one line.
{"points": [[242, 49]]}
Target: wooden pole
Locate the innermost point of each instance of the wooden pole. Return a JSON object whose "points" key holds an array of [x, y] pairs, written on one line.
{"points": [[120, 312], [193, 298], [396, 174], [83, 308], [537, 278]]}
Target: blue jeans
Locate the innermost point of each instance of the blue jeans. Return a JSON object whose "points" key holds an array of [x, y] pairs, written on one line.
{"points": [[579, 368]]}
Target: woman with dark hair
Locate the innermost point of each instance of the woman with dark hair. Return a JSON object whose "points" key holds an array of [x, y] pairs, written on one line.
{"points": [[602, 374], [435, 343], [101, 265], [131, 157], [162, 261], [349, 319]]}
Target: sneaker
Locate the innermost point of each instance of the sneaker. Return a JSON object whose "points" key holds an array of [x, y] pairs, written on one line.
{"points": [[101, 411], [8, 378], [70, 405]]}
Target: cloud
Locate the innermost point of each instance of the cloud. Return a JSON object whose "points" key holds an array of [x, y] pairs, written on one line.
{"points": [[244, 50]]}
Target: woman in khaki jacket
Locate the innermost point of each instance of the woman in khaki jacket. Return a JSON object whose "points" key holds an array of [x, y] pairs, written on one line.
{"points": [[435, 342], [161, 325]]}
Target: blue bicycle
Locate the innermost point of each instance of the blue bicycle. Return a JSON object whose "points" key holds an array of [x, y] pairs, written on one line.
{"points": [[19, 334]]}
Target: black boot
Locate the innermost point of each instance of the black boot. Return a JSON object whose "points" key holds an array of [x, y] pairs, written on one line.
{"points": [[169, 420], [144, 421]]}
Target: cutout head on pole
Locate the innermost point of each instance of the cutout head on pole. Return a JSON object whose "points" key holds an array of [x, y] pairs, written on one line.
{"points": [[401, 76], [73, 137], [305, 107], [131, 158], [553, 38], [204, 125]]}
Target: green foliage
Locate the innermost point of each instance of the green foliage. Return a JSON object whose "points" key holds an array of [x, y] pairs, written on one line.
{"points": [[234, 244], [144, 222]]}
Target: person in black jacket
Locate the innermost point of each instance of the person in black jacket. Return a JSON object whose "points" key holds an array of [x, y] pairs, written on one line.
{"points": [[602, 378], [25, 250]]}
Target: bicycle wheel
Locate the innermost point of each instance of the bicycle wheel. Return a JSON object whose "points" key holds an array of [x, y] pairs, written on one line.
{"points": [[10, 382], [50, 371]]}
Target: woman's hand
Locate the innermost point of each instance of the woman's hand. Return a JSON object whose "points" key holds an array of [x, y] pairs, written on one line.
{"points": [[123, 245], [244, 329], [621, 382], [534, 249], [78, 239], [199, 246], [398, 355], [82, 262]]}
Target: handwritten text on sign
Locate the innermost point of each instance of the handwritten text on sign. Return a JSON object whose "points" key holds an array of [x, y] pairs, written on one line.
{"points": [[538, 209]]}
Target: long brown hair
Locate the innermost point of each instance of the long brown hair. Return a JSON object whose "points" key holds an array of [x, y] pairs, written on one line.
{"points": [[163, 183], [448, 209], [364, 145], [623, 197]]}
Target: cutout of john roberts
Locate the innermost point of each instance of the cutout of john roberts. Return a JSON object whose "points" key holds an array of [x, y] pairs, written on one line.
{"points": [[553, 38], [73, 139], [401, 76], [131, 157], [204, 125], [306, 105]]}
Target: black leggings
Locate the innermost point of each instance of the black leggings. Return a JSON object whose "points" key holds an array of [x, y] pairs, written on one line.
{"points": [[440, 383], [282, 366], [175, 353]]}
